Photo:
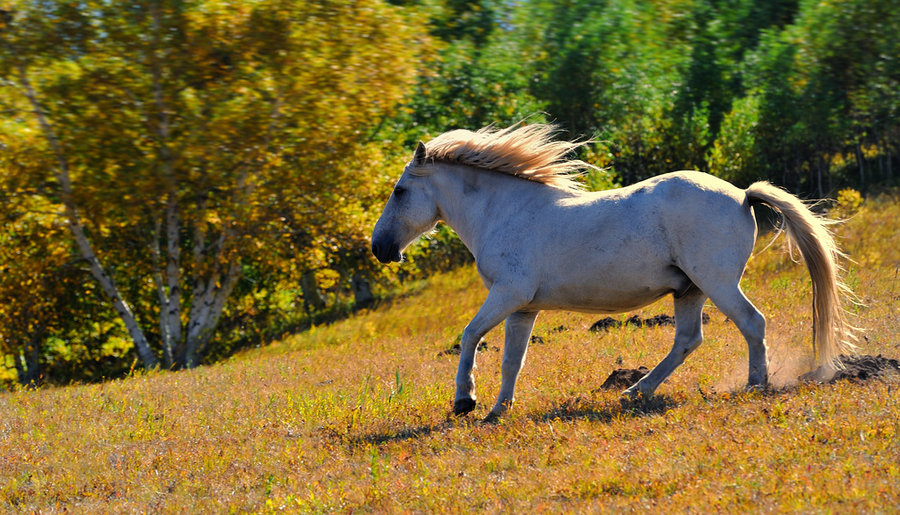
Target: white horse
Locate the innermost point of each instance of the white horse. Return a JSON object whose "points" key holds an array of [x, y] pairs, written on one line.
{"points": [[540, 242]]}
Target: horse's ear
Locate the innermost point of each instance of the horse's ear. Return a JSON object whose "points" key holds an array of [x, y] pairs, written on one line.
{"points": [[419, 157]]}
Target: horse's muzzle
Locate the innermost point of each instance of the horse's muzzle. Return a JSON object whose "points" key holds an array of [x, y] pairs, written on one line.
{"points": [[386, 252]]}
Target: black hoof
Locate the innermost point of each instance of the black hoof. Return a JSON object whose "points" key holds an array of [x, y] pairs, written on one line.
{"points": [[463, 406], [491, 418]]}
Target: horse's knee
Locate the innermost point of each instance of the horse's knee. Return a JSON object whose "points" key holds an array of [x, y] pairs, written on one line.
{"points": [[687, 344], [469, 340], [509, 369]]}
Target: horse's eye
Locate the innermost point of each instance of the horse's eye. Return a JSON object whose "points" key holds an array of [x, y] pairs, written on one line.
{"points": [[398, 192]]}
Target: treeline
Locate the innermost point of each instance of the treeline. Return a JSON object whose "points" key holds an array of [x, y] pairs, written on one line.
{"points": [[182, 179], [803, 93]]}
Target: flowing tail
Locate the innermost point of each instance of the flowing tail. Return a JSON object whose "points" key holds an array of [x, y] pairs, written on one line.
{"points": [[832, 334]]}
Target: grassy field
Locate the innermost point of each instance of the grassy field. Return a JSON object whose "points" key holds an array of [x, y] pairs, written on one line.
{"points": [[354, 416]]}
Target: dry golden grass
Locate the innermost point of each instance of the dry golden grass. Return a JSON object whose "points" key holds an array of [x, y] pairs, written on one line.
{"points": [[354, 416]]}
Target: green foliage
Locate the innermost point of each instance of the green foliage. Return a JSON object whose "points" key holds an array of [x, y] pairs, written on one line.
{"points": [[733, 155], [806, 108]]}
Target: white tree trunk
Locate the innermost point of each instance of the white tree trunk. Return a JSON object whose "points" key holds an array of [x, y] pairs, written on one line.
{"points": [[77, 229], [172, 303], [209, 319], [208, 301], [173, 276], [167, 344]]}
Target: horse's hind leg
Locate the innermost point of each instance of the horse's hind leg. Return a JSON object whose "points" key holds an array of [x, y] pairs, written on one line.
{"points": [[688, 335], [752, 325]]}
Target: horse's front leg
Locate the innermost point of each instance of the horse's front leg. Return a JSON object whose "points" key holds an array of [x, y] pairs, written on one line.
{"points": [[499, 304], [518, 332]]}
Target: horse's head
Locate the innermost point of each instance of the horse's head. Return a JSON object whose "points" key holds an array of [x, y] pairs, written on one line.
{"points": [[410, 211]]}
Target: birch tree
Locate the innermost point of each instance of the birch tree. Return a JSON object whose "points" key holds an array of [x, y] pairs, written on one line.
{"points": [[170, 132]]}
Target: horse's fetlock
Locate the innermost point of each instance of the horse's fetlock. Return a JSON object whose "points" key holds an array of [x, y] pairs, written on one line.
{"points": [[466, 387], [758, 379]]}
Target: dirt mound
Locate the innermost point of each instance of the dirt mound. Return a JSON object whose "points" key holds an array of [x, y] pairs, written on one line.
{"points": [[457, 348], [605, 324], [624, 377], [857, 368]]}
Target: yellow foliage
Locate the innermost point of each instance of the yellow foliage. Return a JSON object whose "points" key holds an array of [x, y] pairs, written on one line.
{"points": [[250, 120], [849, 202]]}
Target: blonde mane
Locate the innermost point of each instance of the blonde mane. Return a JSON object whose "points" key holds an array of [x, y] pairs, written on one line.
{"points": [[526, 151]]}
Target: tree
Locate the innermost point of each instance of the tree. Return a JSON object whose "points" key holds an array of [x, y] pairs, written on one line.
{"points": [[176, 130], [39, 282], [820, 90], [477, 74], [849, 64]]}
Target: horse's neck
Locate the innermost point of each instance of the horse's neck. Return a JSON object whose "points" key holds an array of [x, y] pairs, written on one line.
{"points": [[473, 202]]}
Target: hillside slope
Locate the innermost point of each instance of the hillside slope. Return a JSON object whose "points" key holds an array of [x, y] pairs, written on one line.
{"points": [[355, 415]]}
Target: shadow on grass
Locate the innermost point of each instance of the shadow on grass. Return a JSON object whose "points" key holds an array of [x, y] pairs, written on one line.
{"points": [[578, 409], [585, 408], [402, 435], [573, 409]]}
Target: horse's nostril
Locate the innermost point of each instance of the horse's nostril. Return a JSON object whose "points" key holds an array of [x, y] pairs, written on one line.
{"points": [[382, 251], [385, 249]]}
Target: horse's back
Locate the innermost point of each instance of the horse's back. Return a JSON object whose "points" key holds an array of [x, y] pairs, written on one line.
{"points": [[683, 189], [673, 203], [624, 248]]}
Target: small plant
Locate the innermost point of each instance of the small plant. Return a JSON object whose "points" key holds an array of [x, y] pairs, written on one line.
{"points": [[849, 202], [398, 386]]}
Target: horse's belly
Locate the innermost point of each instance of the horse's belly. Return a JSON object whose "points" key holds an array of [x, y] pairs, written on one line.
{"points": [[614, 302], [611, 294]]}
